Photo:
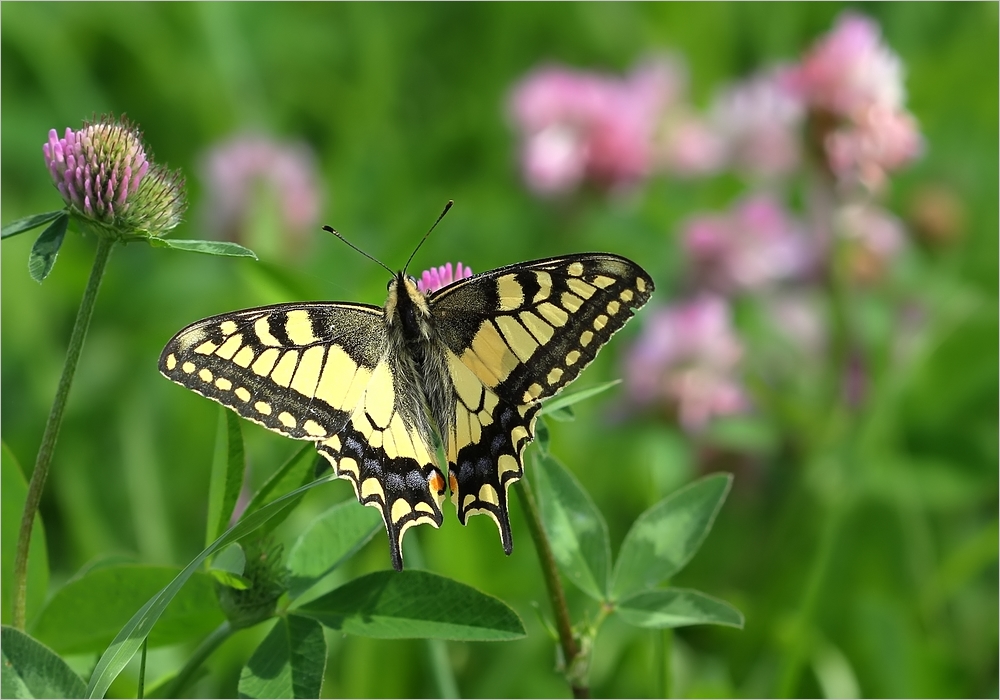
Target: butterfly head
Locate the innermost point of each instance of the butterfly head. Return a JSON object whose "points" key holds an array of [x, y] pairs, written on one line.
{"points": [[406, 306]]}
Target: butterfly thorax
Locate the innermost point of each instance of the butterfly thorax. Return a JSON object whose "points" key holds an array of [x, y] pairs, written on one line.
{"points": [[420, 355]]}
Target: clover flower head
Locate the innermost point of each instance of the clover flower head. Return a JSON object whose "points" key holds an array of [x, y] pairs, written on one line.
{"points": [[760, 120], [437, 277], [850, 69], [104, 175], [879, 141], [756, 244], [579, 126], [239, 170], [686, 359], [267, 579]]}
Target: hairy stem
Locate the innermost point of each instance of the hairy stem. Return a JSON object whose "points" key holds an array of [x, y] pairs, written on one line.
{"points": [[557, 596], [44, 459]]}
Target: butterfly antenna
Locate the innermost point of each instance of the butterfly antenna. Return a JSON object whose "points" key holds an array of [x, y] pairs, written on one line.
{"points": [[446, 208], [336, 233]]}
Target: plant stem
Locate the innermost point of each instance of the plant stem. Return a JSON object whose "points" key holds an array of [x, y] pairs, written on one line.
{"points": [[663, 643], [204, 650], [557, 596], [44, 459], [140, 692], [799, 644]]}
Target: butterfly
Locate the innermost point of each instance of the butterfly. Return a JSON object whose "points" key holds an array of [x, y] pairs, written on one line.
{"points": [[371, 386]]}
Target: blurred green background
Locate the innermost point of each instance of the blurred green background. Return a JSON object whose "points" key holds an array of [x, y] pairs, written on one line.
{"points": [[404, 108]]}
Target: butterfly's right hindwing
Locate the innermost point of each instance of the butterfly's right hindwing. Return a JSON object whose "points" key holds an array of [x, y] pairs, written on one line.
{"points": [[298, 369]]}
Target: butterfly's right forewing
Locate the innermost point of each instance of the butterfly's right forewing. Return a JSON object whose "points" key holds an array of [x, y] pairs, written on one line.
{"points": [[298, 369], [320, 372]]}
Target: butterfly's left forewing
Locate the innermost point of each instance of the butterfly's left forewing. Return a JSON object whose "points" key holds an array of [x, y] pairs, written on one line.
{"points": [[517, 335]]}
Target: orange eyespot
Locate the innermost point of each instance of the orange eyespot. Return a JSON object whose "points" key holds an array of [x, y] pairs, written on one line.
{"points": [[436, 483]]}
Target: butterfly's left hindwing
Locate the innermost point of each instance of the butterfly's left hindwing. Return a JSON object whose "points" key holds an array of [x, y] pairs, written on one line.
{"points": [[517, 335], [322, 372]]}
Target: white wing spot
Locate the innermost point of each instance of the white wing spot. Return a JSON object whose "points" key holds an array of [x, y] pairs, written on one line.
{"points": [[544, 286], [206, 348], [510, 292], [229, 348], [314, 428], [571, 301]]}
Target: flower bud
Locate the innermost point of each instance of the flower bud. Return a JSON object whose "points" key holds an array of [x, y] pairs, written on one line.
{"points": [[268, 580]]}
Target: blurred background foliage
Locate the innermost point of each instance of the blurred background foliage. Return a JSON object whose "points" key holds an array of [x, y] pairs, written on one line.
{"points": [[402, 107]]}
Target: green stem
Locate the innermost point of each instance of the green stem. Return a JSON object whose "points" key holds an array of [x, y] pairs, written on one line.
{"points": [[141, 691], [44, 459], [557, 596], [799, 642], [204, 650], [663, 642]]}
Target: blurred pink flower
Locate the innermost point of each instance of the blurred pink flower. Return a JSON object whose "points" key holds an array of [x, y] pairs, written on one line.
{"points": [[878, 141], [850, 69], [689, 145], [578, 126], [874, 238], [800, 317], [687, 357], [237, 171], [755, 244], [760, 121], [853, 84], [437, 277]]}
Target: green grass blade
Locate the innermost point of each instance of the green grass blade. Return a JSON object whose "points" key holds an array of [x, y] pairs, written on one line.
{"points": [[228, 466]]}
